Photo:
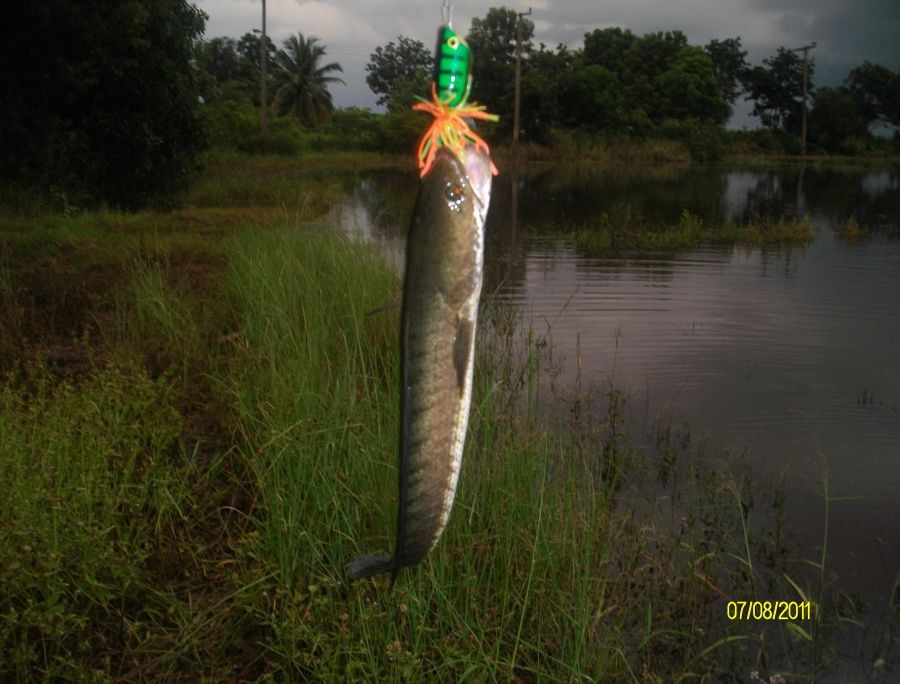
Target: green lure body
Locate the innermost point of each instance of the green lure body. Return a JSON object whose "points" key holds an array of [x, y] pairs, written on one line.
{"points": [[452, 67]]}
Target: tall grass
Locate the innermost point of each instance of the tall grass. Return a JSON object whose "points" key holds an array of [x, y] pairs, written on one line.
{"points": [[581, 146], [633, 234], [317, 401], [538, 575], [313, 383], [183, 506]]}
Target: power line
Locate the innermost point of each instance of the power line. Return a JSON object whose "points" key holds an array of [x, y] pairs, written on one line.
{"points": [[404, 5], [571, 20]]}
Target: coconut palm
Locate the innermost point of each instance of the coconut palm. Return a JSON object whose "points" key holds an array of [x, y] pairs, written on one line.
{"points": [[301, 85]]}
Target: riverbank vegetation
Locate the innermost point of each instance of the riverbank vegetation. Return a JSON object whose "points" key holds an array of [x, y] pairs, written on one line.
{"points": [[198, 419], [628, 235], [88, 137], [198, 429]]}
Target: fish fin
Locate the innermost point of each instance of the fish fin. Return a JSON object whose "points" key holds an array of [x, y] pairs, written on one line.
{"points": [[461, 345], [395, 304], [368, 566]]}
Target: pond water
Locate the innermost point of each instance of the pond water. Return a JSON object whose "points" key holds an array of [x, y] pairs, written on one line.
{"points": [[788, 356]]}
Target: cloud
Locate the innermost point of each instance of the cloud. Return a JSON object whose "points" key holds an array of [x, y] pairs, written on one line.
{"points": [[330, 22], [847, 31]]}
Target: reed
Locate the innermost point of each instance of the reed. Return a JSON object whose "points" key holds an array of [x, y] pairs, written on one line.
{"points": [[631, 234], [182, 495]]}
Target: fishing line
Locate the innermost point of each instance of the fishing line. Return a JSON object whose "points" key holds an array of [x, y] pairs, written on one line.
{"points": [[447, 13]]}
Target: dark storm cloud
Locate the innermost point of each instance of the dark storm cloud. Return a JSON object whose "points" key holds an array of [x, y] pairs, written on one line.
{"points": [[847, 32]]}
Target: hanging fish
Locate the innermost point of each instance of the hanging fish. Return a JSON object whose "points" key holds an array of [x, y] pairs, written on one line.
{"points": [[441, 289]]}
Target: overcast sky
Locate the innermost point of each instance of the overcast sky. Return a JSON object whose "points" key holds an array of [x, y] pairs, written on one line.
{"points": [[847, 31]]}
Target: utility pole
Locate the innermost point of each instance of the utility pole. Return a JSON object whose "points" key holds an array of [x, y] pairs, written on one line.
{"points": [[263, 98], [805, 50], [518, 79]]}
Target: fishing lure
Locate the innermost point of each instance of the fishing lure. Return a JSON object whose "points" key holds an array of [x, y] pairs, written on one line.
{"points": [[449, 104]]}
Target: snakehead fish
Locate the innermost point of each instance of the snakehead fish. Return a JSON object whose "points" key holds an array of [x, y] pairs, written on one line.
{"points": [[441, 288]]}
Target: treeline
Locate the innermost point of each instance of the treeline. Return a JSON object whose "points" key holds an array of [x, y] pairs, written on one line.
{"points": [[302, 114], [655, 85], [113, 101], [616, 84]]}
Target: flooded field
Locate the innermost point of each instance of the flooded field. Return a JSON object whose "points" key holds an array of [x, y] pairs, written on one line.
{"points": [[785, 356]]}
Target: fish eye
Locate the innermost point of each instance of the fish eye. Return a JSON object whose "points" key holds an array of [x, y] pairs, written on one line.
{"points": [[454, 192], [453, 42]]}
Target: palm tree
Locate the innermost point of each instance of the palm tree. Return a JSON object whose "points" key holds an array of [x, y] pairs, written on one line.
{"points": [[301, 86]]}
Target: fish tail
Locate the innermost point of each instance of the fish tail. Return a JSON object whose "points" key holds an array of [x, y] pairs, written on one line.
{"points": [[367, 566]]}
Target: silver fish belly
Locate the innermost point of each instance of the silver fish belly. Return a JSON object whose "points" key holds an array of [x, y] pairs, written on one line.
{"points": [[441, 289]]}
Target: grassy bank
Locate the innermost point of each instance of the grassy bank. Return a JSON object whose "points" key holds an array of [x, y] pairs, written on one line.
{"points": [[632, 235], [569, 147], [198, 429]]}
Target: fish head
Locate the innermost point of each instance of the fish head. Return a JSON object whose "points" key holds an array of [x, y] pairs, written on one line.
{"points": [[479, 174], [465, 181]]}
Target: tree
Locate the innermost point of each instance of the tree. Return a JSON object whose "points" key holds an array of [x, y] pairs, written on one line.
{"points": [[628, 83], [607, 47], [646, 59], [219, 64], [594, 99], [493, 44], [876, 91], [301, 85], [399, 71], [688, 89], [729, 64], [493, 38], [230, 69], [101, 98], [219, 58], [653, 54], [541, 98], [777, 90], [835, 120], [251, 62]]}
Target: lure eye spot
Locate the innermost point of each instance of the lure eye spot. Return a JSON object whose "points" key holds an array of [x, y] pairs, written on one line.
{"points": [[453, 42], [454, 192]]}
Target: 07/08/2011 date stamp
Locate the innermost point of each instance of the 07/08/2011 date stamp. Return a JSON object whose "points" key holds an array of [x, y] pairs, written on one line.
{"points": [[769, 610]]}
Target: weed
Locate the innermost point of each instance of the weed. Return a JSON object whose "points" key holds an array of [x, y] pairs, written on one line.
{"points": [[91, 474], [632, 234]]}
